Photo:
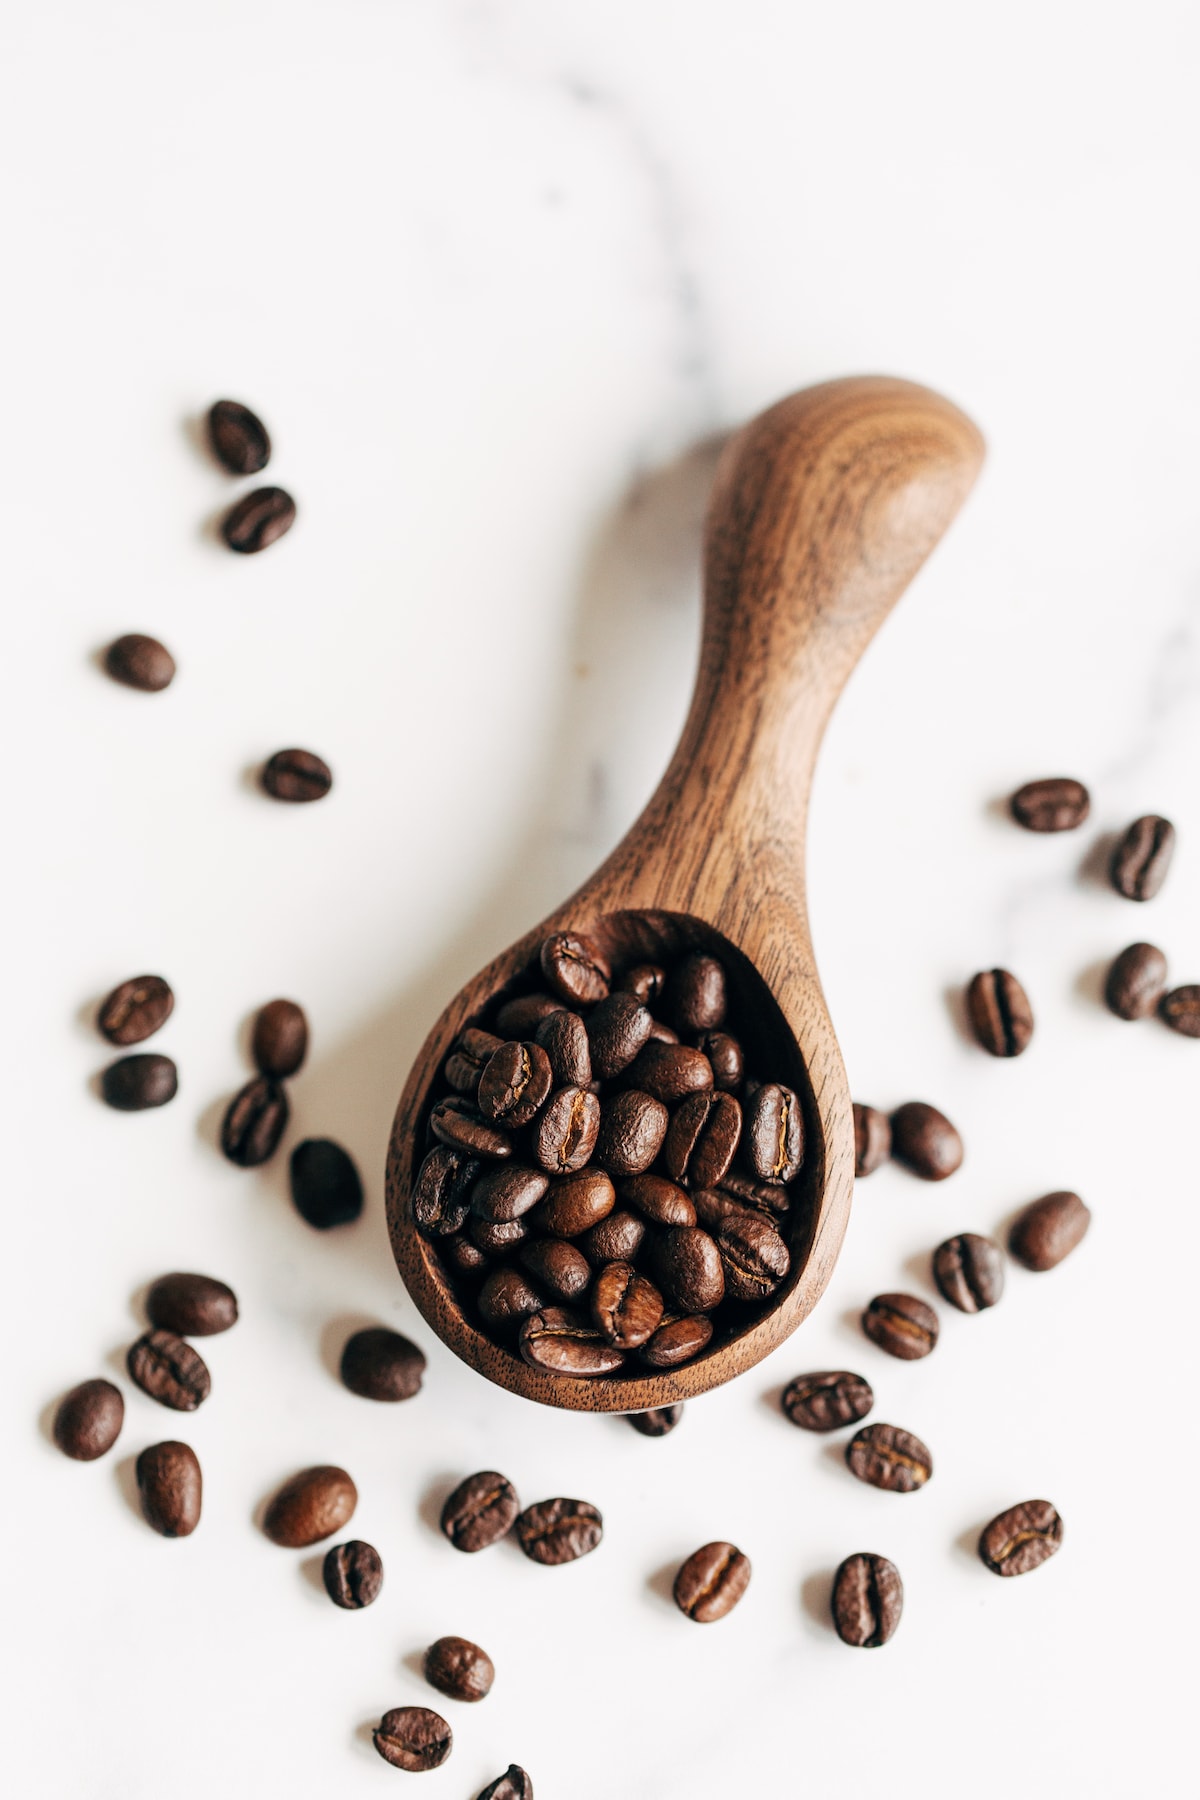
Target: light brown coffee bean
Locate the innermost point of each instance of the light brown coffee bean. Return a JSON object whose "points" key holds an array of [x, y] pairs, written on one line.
{"points": [[89, 1419], [280, 1041], [1022, 1538], [509, 1191], [135, 1010], [902, 1325], [657, 1199], [677, 1341], [1048, 1230], [576, 1203], [170, 1488], [1180, 1009], [711, 1582], [311, 1505]]}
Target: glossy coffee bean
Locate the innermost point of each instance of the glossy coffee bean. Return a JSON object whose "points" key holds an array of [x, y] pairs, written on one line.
{"points": [[618, 1238], [559, 1531], [515, 1085], [661, 1201], [1057, 803], [632, 1128], [704, 1133], [481, 1510], [1142, 858], [506, 1298], [460, 1669], [1048, 1230], [170, 1488], [413, 1738], [657, 1422], [1000, 1014], [872, 1140], [758, 1196], [828, 1400], [238, 437], [563, 1036], [456, 1122], [496, 1237], [468, 1059], [661, 1033], [463, 1255], [689, 1269], [521, 1016], [258, 520], [140, 662], [378, 1364], [677, 1341], [326, 1187], [575, 968], [645, 980], [724, 1056], [280, 1041], [353, 1574], [670, 1072], [441, 1196], [254, 1122], [969, 1271], [711, 1582], [774, 1133], [137, 1083], [514, 1784], [310, 1506], [868, 1599], [626, 1308], [1136, 982], [925, 1141], [297, 776], [169, 1370], [754, 1256], [556, 1267], [1021, 1538], [575, 1204], [713, 1205], [508, 1191], [886, 1457], [89, 1419], [902, 1325], [567, 1130], [191, 1305], [566, 1343], [695, 997], [135, 1010], [617, 1029], [1180, 1009]]}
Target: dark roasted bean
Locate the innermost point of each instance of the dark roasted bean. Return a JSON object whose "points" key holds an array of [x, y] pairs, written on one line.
{"points": [[618, 1238], [559, 1531], [646, 981], [762, 1196], [508, 1192], [457, 1667], [514, 1784], [89, 1419], [925, 1141], [518, 1017], [456, 1122], [467, 1060], [774, 1136], [1136, 982], [626, 1307], [1142, 858], [661, 1033], [677, 1341], [297, 776], [711, 1582], [443, 1188], [238, 437], [192, 1305], [1021, 1538], [703, 1135], [695, 994], [506, 1298], [413, 1738], [353, 1574], [141, 662], [1180, 1009], [1057, 803], [170, 1488], [575, 968], [828, 1400], [310, 1506], [1000, 1014], [567, 1130], [657, 1421], [567, 1344], [969, 1271], [632, 1128], [756, 1258], [902, 1325], [1048, 1230], [280, 1041], [657, 1199], [714, 1205], [514, 1085], [378, 1364], [169, 1370], [670, 1072], [136, 1083], [465, 1256], [872, 1139], [868, 1598], [254, 1122], [135, 1010], [258, 520], [576, 1203], [888, 1458], [690, 1272], [725, 1058], [326, 1186], [480, 1511], [563, 1036], [617, 1029], [495, 1237], [557, 1267]]}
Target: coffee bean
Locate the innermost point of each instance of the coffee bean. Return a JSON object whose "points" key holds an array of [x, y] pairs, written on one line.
{"points": [[506, 1298], [689, 1268], [969, 1271], [464, 1256], [258, 520], [140, 662], [868, 1598], [310, 1506], [724, 1056], [254, 1122], [456, 1122], [459, 1668], [379, 1364], [646, 981], [297, 776], [441, 1196], [755, 1257], [567, 1344], [887, 1457], [824, 1402], [1021, 1538], [136, 1083], [559, 1531], [902, 1325], [508, 1192], [759, 1196], [617, 1029], [576, 1203], [1180, 1009], [495, 1237], [575, 968], [514, 1784], [326, 1187], [353, 1574], [632, 1128], [413, 1738], [711, 1582], [135, 1010], [469, 1057], [169, 1370], [514, 1085], [558, 1267], [480, 1511], [670, 1072], [567, 1130], [1136, 982], [695, 994], [280, 1041], [1057, 803], [626, 1307], [239, 438], [518, 1017], [925, 1141], [713, 1206], [192, 1305], [703, 1135], [658, 1200], [170, 1488], [872, 1139], [661, 1033], [1000, 1014], [657, 1421], [563, 1036], [774, 1139], [677, 1341], [615, 1239], [1048, 1230], [1142, 858], [89, 1419]]}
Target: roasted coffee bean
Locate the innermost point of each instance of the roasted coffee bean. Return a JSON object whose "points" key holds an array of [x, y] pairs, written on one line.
{"points": [[169, 1370], [258, 520], [280, 1041], [495, 1237], [238, 437], [626, 1307], [702, 1137], [480, 1511], [326, 1187], [465, 1256], [657, 1421], [135, 1010], [576, 1203], [563, 1036], [310, 1506], [254, 1122], [1142, 858], [725, 1058], [467, 1060], [457, 1667], [514, 1784], [379, 1364], [170, 1488], [520, 1017], [297, 776], [695, 994], [141, 662], [711, 1582], [557, 1267], [1048, 1230], [455, 1121], [413, 1738], [677, 1341], [670, 1072], [514, 1085], [442, 1191], [868, 1598], [136, 1083], [902, 1325], [89, 1419], [657, 1199], [353, 1574], [632, 1128], [755, 1257], [1056, 804], [661, 1033], [567, 1130], [615, 1239], [192, 1305], [559, 1531], [925, 1141], [759, 1196], [872, 1139], [969, 1271], [576, 968], [1022, 1538], [567, 1344], [888, 1458], [774, 1136], [506, 1298], [508, 1192], [828, 1400], [714, 1205], [689, 1268], [1136, 982], [646, 981], [617, 1029], [1180, 1009], [1000, 1014]]}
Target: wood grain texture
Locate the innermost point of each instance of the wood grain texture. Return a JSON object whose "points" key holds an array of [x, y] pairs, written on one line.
{"points": [[823, 509]]}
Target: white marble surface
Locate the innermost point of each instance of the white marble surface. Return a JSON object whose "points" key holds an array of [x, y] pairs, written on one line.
{"points": [[497, 275]]}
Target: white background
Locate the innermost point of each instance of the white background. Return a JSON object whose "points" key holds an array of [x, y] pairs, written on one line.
{"points": [[496, 275]]}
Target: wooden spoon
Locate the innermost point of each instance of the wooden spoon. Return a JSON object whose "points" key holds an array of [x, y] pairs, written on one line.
{"points": [[823, 509]]}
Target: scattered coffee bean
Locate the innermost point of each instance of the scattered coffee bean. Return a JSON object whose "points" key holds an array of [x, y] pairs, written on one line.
{"points": [[774, 1139], [135, 1010], [140, 662], [902, 1325], [170, 1488], [690, 1269], [1136, 982], [755, 1257], [925, 1141], [136, 1083], [169, 1370], [515, 1085], [888, 1458], [296, 776], [460, 1669], [514, 1784], [558, 1267], [326, 1186], [258, 520], [567, 1343], [563, 1036], [379, 1364], [413, 1738], [506, 1298], [310, 1506], [872, 1139], [353, 1574], [567, 1131], [631, 1132], [825, 1401], [442, 1191], [868, 1597], [559, 1531], [1056, 804], [191, 1305], [1180, 1009], [576, 968], [618, 1238], [576, 1203], [1048, 1230], [695, 997], [656, 1421], [89, 1419], [238, 437], [254, 1122], [711, 1582], [1000, 1014], [481, 1510], [969, 1271], [280, 1041], [724, 1057], [677, 1341], [661, 1201], [1142, 857], [626, 1308], [1022, 1538]]}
